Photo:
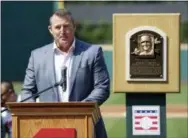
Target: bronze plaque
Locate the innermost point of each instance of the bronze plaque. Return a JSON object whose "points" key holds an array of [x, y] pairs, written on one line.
{"points": [[146, 56]]}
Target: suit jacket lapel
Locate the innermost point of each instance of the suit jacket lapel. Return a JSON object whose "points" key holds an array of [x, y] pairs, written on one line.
{"points": [[77, 55], [51, 68]]}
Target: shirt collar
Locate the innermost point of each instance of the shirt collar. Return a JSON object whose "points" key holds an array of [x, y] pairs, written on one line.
{"points": [[71, 49]]}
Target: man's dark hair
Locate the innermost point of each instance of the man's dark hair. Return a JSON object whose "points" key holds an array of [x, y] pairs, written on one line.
{"points": [[62, 13]]}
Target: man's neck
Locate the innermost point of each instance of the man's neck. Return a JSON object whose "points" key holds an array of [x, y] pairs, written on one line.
{"points": [[64, 50], [67, 49]]}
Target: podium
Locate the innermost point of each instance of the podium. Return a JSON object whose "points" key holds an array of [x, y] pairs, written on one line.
{"points": [[29, 118]]}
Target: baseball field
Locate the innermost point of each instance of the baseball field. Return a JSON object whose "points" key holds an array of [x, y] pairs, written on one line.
{"points": [[113, 112]]}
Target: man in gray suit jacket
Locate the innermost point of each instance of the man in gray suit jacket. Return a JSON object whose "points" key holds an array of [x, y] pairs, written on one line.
{"points": [[87, 75]]}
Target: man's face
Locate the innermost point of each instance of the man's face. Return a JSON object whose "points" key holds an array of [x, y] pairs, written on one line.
{"points": [[145, 42], [62, 30]]}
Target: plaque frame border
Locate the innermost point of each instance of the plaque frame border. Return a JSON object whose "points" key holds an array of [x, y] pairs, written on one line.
{"points": [[127, 52]]}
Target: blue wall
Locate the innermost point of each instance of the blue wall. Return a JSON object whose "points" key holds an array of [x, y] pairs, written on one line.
{"points": [[183, 64]]}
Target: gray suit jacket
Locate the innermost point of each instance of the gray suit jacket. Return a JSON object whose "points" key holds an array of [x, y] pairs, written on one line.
{"points": [[89, 78]]}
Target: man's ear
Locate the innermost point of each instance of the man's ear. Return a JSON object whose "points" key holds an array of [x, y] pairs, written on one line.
{"points": [[74, 28], [50, 29]]}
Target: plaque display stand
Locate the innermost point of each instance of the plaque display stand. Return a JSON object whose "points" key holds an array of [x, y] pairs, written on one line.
{"points": [[147, 69]]}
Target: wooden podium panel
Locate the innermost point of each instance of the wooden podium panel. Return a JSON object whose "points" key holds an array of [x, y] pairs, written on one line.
{"points": [[29, 118]]}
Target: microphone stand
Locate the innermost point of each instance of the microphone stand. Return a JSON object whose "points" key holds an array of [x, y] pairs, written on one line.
{"points": [[36, 94]]}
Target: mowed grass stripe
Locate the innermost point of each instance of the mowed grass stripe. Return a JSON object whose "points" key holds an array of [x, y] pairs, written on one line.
{"points": [[176, 128]]}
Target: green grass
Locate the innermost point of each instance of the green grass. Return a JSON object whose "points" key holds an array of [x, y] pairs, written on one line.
{"points": [[172, 98], [176, 128], [116, 98], [17, 86], [115, 127], [119, 98], [179, 98]]}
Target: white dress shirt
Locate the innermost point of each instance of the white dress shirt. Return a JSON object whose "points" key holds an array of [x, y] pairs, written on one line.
{"points": [[63, 59]]}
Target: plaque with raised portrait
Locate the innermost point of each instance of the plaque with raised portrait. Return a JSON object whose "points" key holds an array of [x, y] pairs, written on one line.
{"points": [[146, 54]]}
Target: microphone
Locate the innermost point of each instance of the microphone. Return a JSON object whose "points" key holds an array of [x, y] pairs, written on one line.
{"points": [[64, 78], [38, 93]]}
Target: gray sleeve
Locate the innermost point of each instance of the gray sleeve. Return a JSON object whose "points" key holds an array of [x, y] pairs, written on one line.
{"points": [[101, 90], [29, 85]]}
